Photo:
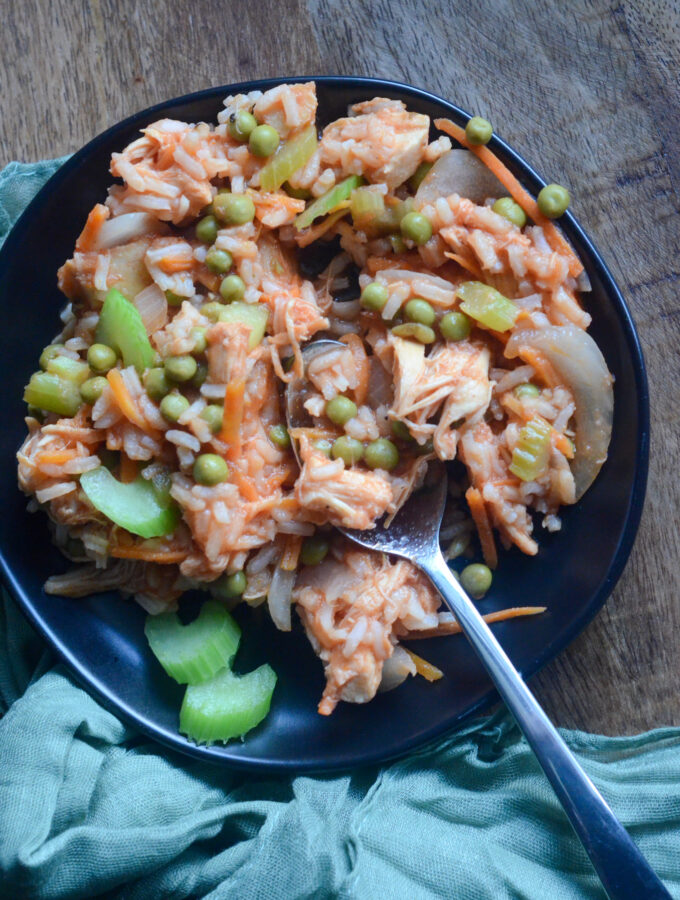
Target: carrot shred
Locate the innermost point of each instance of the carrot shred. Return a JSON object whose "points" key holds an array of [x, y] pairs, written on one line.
{"points": [[164, 557], [540, 365], [316, 231], [481, 520], [170, 265], [233, 417], [291, 553], [245, 485], [553, 236], [466, 264], [124, 400], [411, 261], [128, 468], [95, 219], [447, 628], [424, 668], [562, 443], [55, 457]]}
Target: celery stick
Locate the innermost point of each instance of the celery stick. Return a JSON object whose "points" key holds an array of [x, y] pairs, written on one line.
{"points": [[367, 207], [530, 456], [487, 305], [138, 507], [327, 202], [69, 369], [48, 391], [254, 315], [120, 326], [290, 157]]}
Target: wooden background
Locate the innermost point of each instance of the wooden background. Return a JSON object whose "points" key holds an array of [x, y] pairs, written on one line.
{"points": [[585, 90]]}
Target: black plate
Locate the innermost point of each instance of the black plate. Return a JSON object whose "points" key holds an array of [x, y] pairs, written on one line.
{"points": [[102, 638]]}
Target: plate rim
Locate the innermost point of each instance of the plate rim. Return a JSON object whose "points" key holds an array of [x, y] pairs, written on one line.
{"points": [[529, 177]]}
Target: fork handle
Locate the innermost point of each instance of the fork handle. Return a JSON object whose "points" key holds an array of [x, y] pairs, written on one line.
{"points": [[623, 870]]}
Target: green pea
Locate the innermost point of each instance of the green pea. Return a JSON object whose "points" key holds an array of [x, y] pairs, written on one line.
{"points": [[455, 326], [314, 550], [200, 375], [476, 579], [400, 430], [296, 193], [513, 212], [213, 416], [156, 384], [553, 200], [263, 140], [341, 409], [219, 261], [381, 454], [421, 333], [210, 469], [232, 288], [92, 389], [174, 299], [419, 310], [416, 227], [526, 391], [478, 131], [234, 209], [180, 368], [278, 435], [198, 335], [416, 179], [347, 449], [324, 446], [173, 405], [101, 358], [374, 297], [206, 229], [212, 310], [241, 124], [229, 586], [50, 352]]}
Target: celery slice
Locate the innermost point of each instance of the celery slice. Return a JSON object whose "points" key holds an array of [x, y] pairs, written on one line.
{"points": [[487, 305], [227, 706], [138, 507], [367, 207], [194, 653], [120, 326], [327, 202], [290, 157], [254, 315], [48, 391], [530, 456], [69, 369]]}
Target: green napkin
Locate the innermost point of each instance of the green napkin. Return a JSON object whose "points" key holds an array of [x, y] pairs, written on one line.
{"points": [[90, 808]]}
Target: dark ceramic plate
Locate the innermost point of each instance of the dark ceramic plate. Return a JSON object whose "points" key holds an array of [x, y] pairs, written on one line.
{"points": [[102, 638]]}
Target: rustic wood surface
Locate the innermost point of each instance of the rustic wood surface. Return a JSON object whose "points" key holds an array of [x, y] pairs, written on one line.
{"points": [[587, 90]]}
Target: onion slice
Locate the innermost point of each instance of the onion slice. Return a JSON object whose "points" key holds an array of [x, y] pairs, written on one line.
{"points": [[578, 360], [396, 669], [127, 227], [279, 598], [458, 172], [152, 307]]}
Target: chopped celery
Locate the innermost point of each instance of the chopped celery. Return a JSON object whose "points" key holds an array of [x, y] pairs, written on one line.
{"points": [[227, 706], [253, 314], [327, 202], [121, 327], [394, 213], [367, 207], [530, 456], [137, 507], [487, 305], [74, 370], [290, 157], [48, 391], [194, 653]]}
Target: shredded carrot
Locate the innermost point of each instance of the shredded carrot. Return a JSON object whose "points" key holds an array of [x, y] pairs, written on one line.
{"points": [[245, 485], [55, 457], [291, 553], [424, 668], [164, 557], [466, 264], [172, 264], [95, 219], [128, 468], [517, 192], [124, 400], [411, 261], [481, 520], [562, 443], [447, 628], [356, 345], [316, 231], [540, 365], [289, 504], [233, 417]]}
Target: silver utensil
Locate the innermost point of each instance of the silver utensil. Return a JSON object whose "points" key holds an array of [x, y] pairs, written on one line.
{"points": [[414, 535]]}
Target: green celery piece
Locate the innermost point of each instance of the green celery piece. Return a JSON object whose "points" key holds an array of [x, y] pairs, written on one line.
{"points": [[254, 315], [227, 706], [194, 653], [290, 157], [69, 369], [487, 305], [530, 456], [327, 202], [120, 326], [137, 507], [367, 208], [48, 391]]}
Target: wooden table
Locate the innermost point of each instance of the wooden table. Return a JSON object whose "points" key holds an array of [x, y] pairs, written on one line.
{"points": [[588, 91]]}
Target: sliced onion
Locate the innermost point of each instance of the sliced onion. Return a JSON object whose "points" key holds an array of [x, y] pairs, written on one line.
{"points": [[396, 669], [346, 309], [279, 598], [459, 172], [579, 362], [128, 227], [152, 307]]}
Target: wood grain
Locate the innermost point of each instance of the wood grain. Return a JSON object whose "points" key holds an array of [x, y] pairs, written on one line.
{"points": [[588, 91]]}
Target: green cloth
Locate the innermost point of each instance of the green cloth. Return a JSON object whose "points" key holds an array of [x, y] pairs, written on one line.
{"points": [[89, 807]]}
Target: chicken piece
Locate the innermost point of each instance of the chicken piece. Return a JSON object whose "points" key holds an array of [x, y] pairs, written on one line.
{"points": [[176, 339], [228, 352], [350, 606], [382, 141], [275, 210], [330, 493], [288, 107]]}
